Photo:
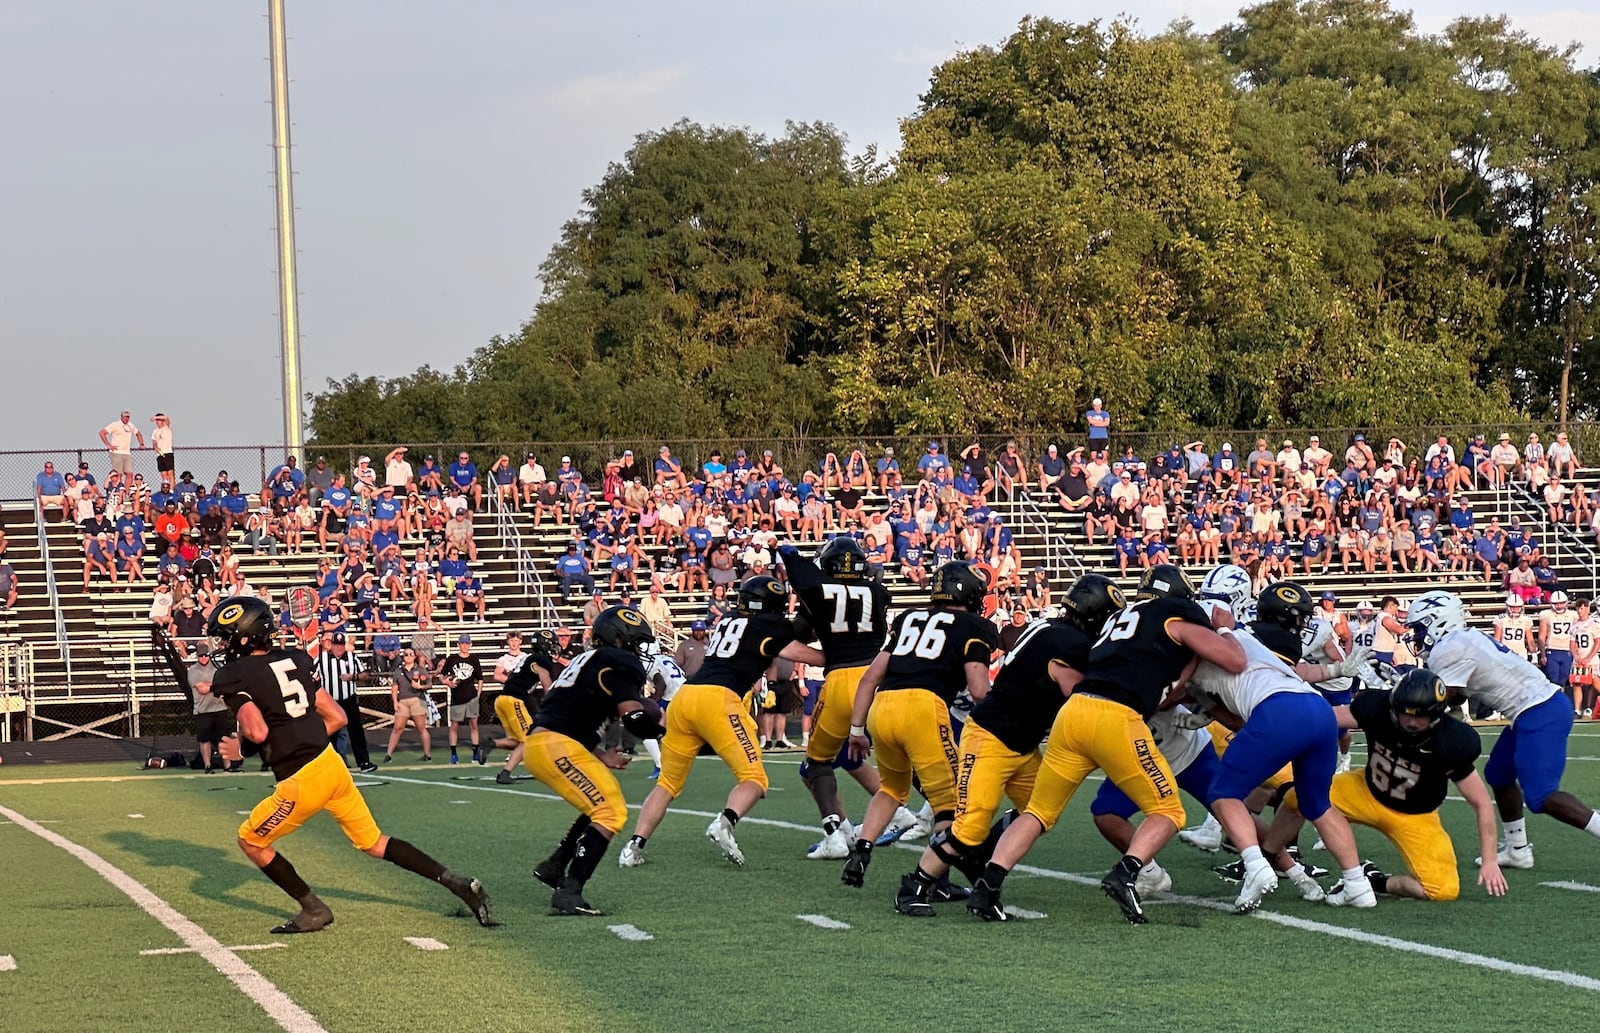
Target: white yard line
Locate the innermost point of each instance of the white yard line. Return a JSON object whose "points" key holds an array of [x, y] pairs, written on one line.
{"points": [[161, 951], [823, 922], [426, 943], [7, 963], [278, 1006], [633, 934], [1484, 961], [1581, 887]]}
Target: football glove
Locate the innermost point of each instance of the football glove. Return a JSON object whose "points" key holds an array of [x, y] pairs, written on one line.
{"points": [[1351, 666]]}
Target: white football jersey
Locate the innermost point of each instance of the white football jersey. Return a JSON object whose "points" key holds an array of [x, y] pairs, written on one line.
{"points": [[667, 671], [1363, 632], [1265, 675], [1313, 650], [1488, 673], [1585, 637], [1180, 746], [1515, 633], [1557, 628]]}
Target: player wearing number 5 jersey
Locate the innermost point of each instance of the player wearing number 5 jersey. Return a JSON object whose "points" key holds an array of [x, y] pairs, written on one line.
{"points": [[1140, 652], [288, 718], [934, 653], [847, 612], [1414, 751], [708, 711], [1555, 639]]}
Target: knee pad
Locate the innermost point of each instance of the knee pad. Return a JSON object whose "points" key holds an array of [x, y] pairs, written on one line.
{"points": [[811, 772], [957, 855], [942, 817]]}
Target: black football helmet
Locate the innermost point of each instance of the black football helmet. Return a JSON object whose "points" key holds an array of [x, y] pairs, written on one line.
{"points": [[1285, 605], [1419, 693], [1091, 601], [843, 559], [959, 583], [240, 626], [1164, 581], [763, 594], [624, 628], [543, 643]]}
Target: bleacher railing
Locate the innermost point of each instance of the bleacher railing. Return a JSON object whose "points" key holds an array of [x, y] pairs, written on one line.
{"points": [[523, 562], [1061, 559], [1567, 547], [16, 671], [50, 585]]}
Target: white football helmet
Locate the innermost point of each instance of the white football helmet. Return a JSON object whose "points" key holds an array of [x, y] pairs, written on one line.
{"points": [[1229, 584], [1431, 616], [1364, 610], [1514, 605], [1558, 599]]}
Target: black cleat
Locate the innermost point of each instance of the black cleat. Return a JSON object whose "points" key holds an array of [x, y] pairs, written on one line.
{"points": [[1316, 871], [550, 871], [369, 767], [944, 891], [1372, 872], [471, 893], [855, 867], [568, 900], [504, 777], [1120, 889], [912, 900], [314, 916], [985, 903], [1233, 871]]}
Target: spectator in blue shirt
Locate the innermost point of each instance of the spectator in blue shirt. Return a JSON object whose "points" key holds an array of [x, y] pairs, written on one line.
{"points": [[52, 491], [888, 470], [429, 476], [464, 475], [1127, 549], [1226, 464], [934, 461], [669, 472], [1461, 514], [1099, 423], [573, 570], [715, 471], [1051, 467]]}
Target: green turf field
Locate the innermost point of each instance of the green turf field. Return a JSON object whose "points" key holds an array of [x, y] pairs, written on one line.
{"points": [[728, 951]]}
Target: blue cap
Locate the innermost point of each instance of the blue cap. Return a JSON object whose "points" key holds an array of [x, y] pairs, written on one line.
{"points": [[1329, 597], [698, 626]]}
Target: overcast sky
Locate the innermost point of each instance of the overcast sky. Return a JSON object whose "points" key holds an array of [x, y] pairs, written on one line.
{"points": [[439, 147]]}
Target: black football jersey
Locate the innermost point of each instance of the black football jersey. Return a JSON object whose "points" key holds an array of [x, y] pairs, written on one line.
{"points": [[741, 650], [929, 648], [283, 684], [1409, 776], [523, 683], [585, 696], [850, 618], [1021, 705], [1135, 659], [467, 672]]}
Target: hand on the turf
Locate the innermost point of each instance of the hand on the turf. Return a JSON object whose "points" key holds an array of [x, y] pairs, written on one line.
{"points": [[860, 747], [1491, 879], [616, 760], [230, 749]]}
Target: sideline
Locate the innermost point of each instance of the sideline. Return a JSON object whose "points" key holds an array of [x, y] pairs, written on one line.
{"points": [[277, 1004]]}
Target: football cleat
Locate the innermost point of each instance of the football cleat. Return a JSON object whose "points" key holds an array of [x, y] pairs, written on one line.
{"points": [[367, 767], [1257, 883], [1353, 894], [1511, 856], [985, 903], [1152, 878], [912, 900], [1309, 888], [568, 900], [1343, 765], [855, 867], [1120, 889], [1232, 871], [924, 826], [721, 833], [632, 855], [903, 822], [1316, 871], [1206, 836], [314, 916], [470, 892], [550, 871], [655, 772], [834, 847], [945, 891]]}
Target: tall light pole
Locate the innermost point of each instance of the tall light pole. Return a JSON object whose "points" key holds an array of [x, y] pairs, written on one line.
{"points": [[283, 188]]}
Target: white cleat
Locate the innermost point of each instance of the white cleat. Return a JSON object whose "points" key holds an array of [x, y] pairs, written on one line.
{"points": [[1319, 845], [1206, 836], [832, 848], [1512, 856], [923, 826], [721, 833], [1343, 765], [1310, 889], [632, 855], [1258, 882], [1353, 894], [1152, 878]]}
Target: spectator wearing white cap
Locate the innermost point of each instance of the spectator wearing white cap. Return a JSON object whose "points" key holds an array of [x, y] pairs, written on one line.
{"points": [[530, 476], [397, 472], [668, 471], [1098, 422], [1051, 466], [1503, 457], [1289, 461], [888, 468], [1563, 458], [1316, 457], [118, 437], [364, 479], [1532, 457], [1227, 465], [258, 531]]}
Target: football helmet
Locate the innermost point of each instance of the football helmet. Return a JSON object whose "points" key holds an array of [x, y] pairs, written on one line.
{"points": [[1164, 580], [958, 583], [1365, 610], [1287, 605], [1090, 602], [763, 594], [543, 643], [1514, 605], [239, 626], [843, 559], [1431, 616], [624, 628], [1230, 584], [1420, 693], [1558, 601]]}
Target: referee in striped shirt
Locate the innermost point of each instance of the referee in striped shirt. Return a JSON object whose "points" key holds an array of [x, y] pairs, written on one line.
{"points": [[340, 671]]}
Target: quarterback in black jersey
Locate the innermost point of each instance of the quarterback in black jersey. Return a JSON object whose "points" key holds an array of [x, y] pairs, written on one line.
{"points": [[847, 612], [1144, 649], [563, 752], [1415, 749], [934, 654], [999, 751], [283, 712], [709, 710]]}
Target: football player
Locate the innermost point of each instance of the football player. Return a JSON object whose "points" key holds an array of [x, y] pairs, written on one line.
{"points": [[526, 679], [1585, 646], [1145, 648], [999, 749], [934, 653], [1414, 751], [663, 678], [1280, 720], [288, 718], [1365, 628], [1320, 643], [1514, 628], [562, 750], [1555, 640], [709, 711], [847, 612], [1527, 760]]}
